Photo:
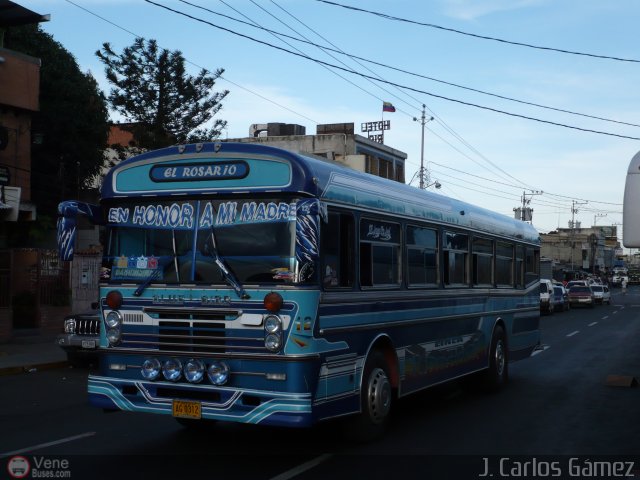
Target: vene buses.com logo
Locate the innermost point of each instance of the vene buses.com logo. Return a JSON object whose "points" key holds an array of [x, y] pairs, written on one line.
{"points": [[18, 467]]}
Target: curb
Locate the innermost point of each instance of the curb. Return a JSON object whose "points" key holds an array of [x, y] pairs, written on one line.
{"points": [[5, 371]]}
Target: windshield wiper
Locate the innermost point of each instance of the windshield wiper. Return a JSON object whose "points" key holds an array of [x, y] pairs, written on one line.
{"points": [[226, 271]]}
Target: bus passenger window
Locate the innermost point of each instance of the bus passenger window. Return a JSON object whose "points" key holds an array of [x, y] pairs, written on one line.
{"points": [[532, 262], [504, 264], [379, 253], [482, 249], [422, 256], [456, 251], [338, 246]]}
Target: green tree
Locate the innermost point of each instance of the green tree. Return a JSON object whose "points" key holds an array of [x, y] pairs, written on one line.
{"points": [[72, 125], [164, 104]]}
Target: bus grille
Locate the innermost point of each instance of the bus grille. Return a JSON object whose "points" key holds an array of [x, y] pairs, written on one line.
{"points": [[194, 336], [87, 326]]}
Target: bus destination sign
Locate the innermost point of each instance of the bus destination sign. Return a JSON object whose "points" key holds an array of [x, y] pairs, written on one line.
{"points": [[181, 172]]}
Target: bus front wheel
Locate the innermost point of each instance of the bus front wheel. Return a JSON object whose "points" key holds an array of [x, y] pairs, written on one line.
{"points": [[376, 396]]}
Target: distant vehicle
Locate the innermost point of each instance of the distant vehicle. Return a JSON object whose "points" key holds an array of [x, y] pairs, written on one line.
{"points": [[618, 279], [581, 295], [601, 294], [561, 297], [547, 301], [583, 283], [80, 337]]}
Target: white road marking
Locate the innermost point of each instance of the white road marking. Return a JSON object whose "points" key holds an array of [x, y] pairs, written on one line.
{"points": [[540, 349], [573, 333], [48, 444], [295, 471], [593, 323], [605, 317]]}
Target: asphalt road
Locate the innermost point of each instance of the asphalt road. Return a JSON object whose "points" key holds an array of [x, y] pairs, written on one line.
{"points": [[558, 402]]}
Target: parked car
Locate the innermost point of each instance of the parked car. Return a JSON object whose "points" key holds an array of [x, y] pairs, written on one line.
{"points": [[601, 294], [581, 295], [561, 297], [80, 337], [547, 301]]}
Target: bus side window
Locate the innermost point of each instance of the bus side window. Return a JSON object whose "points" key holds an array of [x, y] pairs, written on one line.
{"points": [[338, 248]]}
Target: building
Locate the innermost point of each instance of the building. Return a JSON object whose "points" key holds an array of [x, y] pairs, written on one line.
{"points": [[592, 249], [19, 99], [335, 141]]}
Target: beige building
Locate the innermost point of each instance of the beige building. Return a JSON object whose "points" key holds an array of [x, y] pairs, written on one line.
{"points": [[337, 142], [592, 249]]}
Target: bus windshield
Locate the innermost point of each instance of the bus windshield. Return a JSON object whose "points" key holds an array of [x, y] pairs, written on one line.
{"points": [[177, 242]]}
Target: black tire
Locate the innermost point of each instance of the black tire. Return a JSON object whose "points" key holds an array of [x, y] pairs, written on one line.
{"points": [[497, 375], [376, 398]]}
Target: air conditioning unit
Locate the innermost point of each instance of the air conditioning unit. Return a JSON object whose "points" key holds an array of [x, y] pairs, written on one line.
{"points": [[10, 205]]}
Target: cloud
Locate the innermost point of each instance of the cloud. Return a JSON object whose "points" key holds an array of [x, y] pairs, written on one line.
{"points": [[472, 9]]}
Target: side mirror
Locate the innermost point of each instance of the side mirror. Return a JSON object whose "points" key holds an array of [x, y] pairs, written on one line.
{"points": [[631, 212]]}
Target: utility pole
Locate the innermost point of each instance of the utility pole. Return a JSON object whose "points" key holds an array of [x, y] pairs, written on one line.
{"points": [[596, 216], [574, 210], [423, 174], [526, 213]]}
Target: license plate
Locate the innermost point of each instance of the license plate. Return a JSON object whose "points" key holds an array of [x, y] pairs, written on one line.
{"points": [[184, 409], [88, 344]]}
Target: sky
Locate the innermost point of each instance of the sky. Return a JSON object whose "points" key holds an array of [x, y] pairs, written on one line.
{"points": [[471, 62]]}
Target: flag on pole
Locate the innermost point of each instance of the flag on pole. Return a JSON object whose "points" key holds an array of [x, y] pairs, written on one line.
{"points": [[388, 107]]}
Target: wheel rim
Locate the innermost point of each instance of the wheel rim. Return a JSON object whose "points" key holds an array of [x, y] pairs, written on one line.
{"points": [[499, 358], [378, 395]]}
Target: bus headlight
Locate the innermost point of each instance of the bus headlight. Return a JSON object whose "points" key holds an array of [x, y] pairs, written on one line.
{"points": [[172, 369], [272, 324], [218, 373], [114, 319], [273, 342], [151, 368], [194, 371], [114, 336], [70, 325]]}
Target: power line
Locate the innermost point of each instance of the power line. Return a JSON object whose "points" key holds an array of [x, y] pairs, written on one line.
{"points": [[516, 186], [195, 64], [442, 97], [483, 37], [357, 59], [282, 106]]}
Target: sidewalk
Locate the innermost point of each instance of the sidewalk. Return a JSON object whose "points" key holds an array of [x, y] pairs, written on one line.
{"points": [[30, 348]]}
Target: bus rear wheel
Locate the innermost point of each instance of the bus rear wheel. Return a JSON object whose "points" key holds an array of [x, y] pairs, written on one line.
{"points": [[497, 375], [376, 395]]}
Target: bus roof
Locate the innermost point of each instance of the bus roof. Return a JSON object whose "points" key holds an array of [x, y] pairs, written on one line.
{"points": [[224, 168]]}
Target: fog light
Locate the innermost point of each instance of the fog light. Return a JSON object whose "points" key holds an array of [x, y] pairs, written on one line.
{"points": [[273, 342], [172, 369], [218, 373], [194, 371], [151, 368], [113, 336], [272, 324], [114, 319]]}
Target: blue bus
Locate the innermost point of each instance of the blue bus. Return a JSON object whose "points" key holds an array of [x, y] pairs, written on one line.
{"points": [[251, 284]]}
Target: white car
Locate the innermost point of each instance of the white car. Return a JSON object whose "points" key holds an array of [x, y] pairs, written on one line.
{"points": [[601, 294], [547, 300]]}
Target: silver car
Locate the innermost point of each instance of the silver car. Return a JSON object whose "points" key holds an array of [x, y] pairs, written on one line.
{"points": [[80, 337], [601, 294]]}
